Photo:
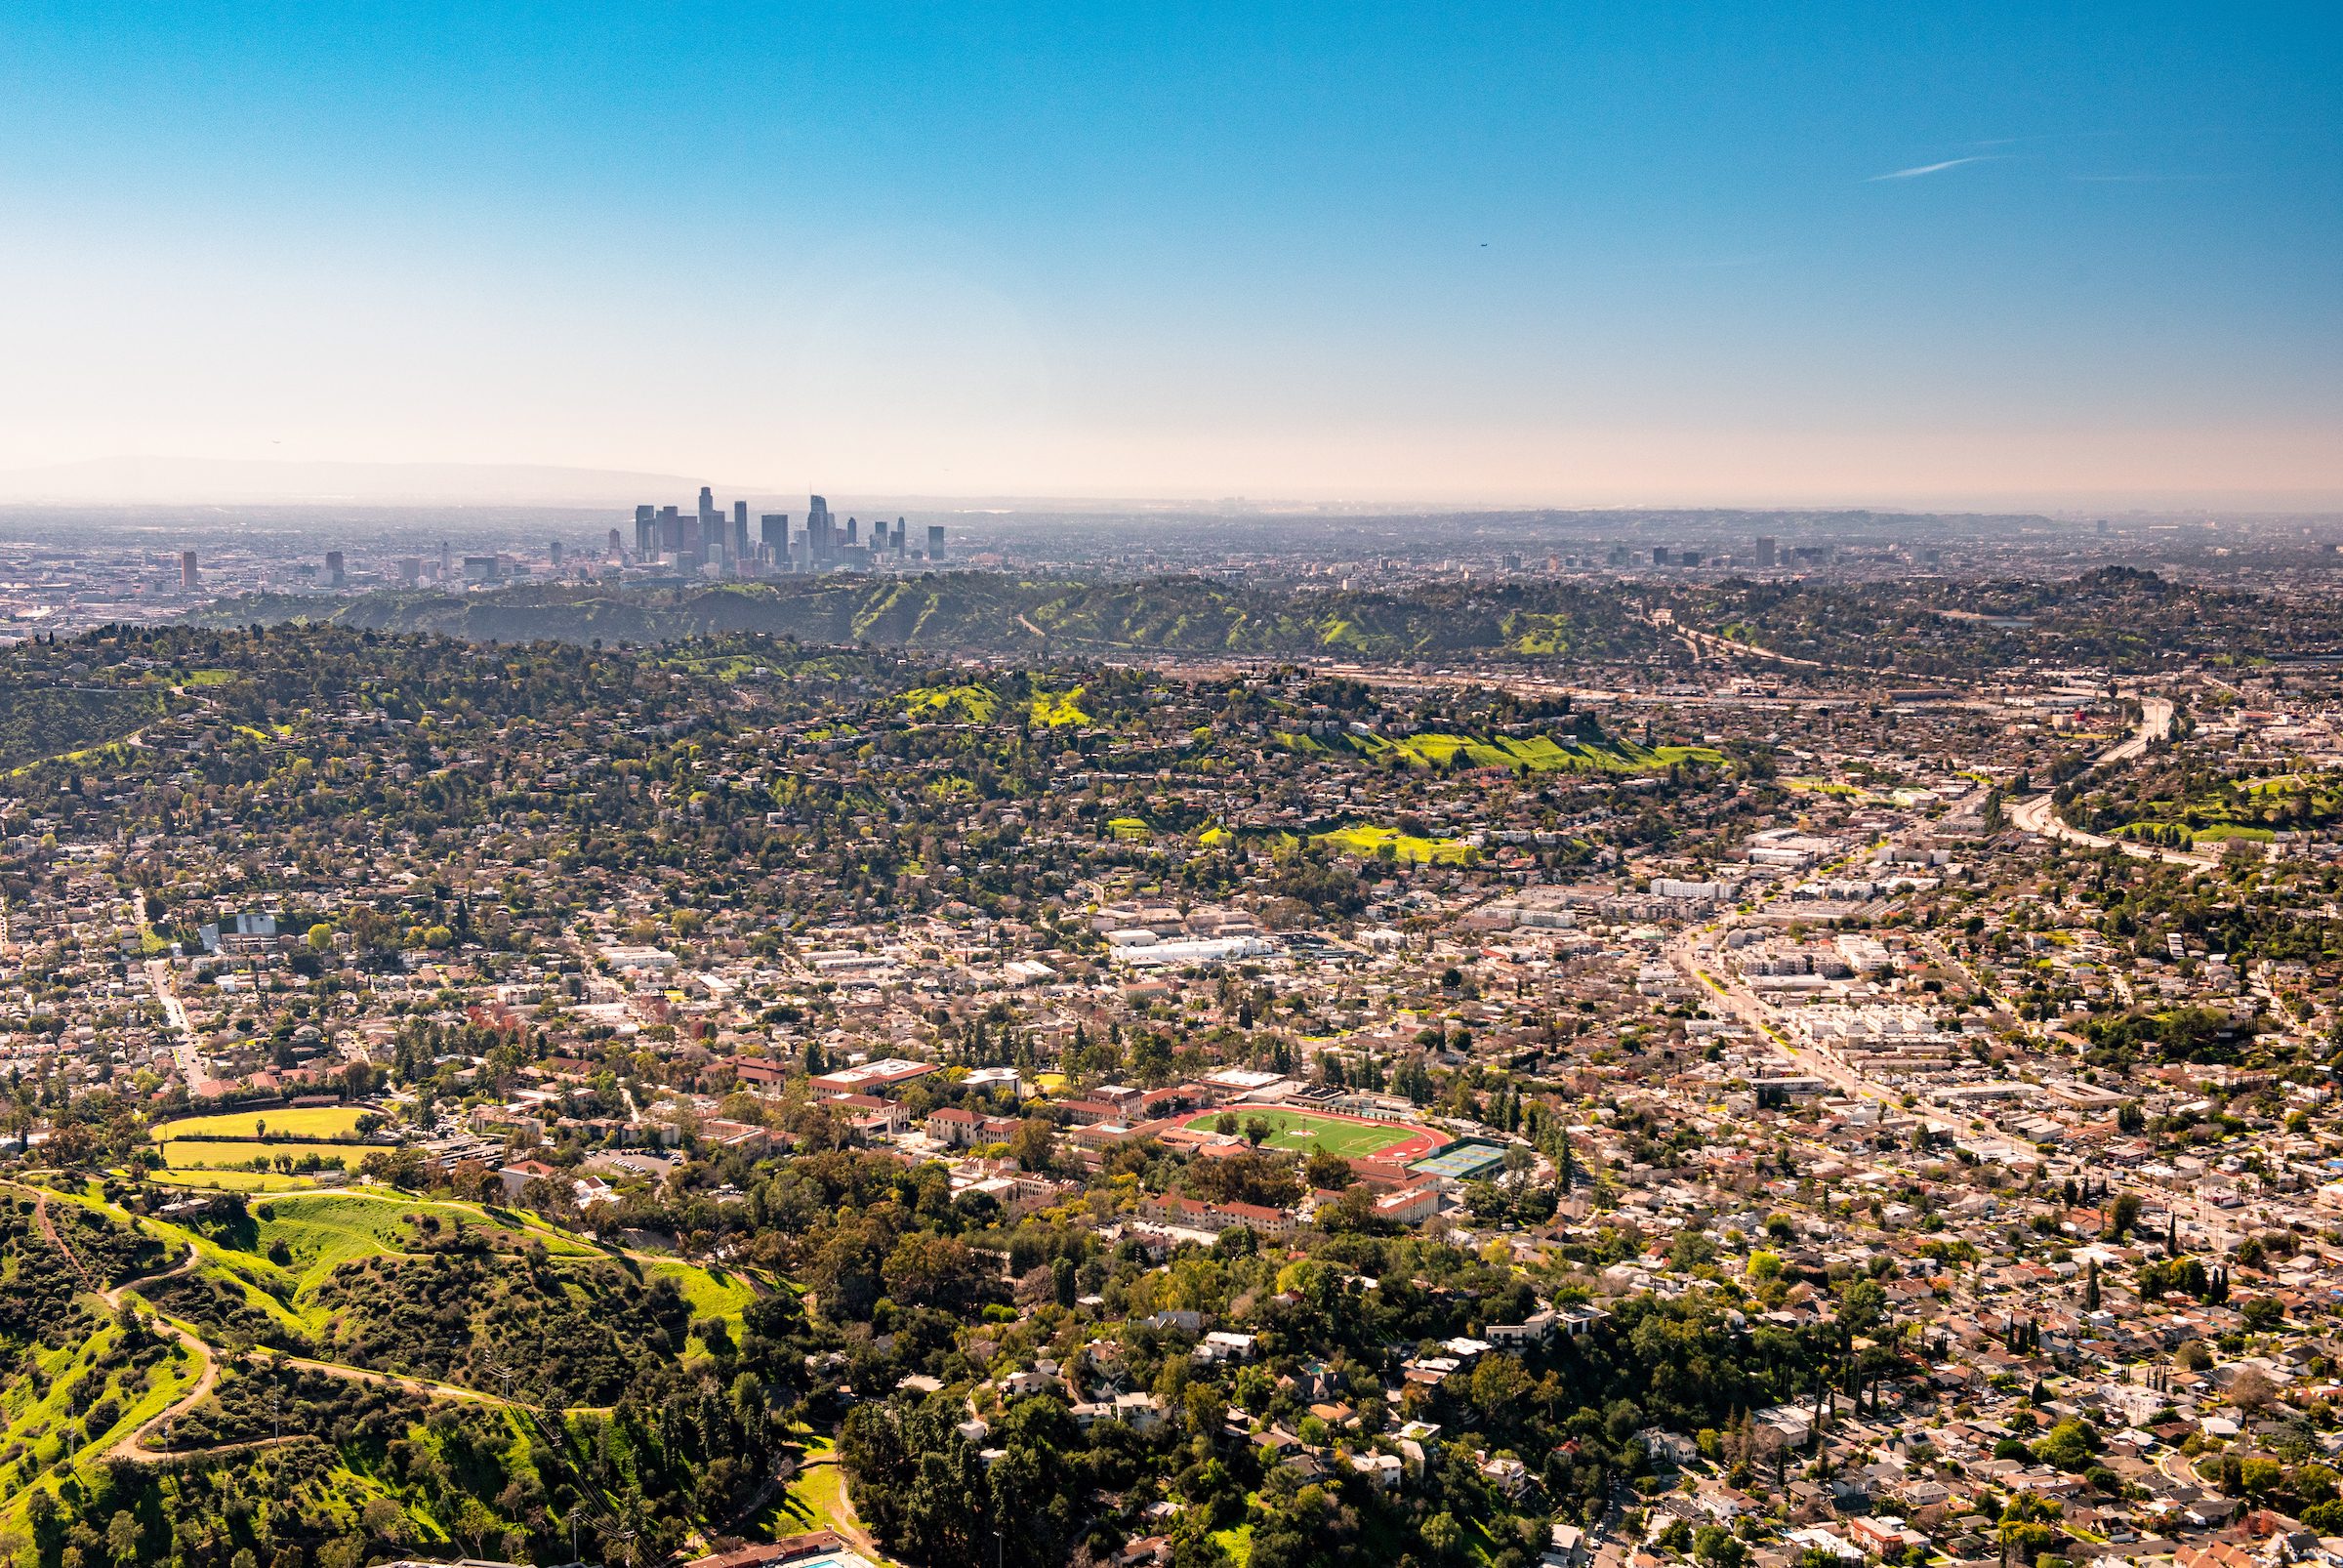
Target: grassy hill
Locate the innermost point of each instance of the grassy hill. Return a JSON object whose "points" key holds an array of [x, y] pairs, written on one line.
{"points": [[442, 1291], [39, 721], [1538, 754], [358, 1346], [1182, 615]]}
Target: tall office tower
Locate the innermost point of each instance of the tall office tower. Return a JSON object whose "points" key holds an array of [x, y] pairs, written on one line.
{"points": [[614, 544], [687, 547], [555, 547], [898, 539], [2100, 526], [445, 560], [817, 530], [1659, 555], [935, 541], [708, 516], [647, 524], [775, 529], [333, 567], [849, 533], [1765, 549], [410, 570], [189, 579], [740, 530], [670, 531]]}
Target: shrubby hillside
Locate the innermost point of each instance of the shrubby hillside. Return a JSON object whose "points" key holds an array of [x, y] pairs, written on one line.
{"points": [[981, 610]]}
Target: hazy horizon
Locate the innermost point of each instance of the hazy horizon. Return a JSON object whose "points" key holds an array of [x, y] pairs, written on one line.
{"points": [[146, 481], [1514, 256]]}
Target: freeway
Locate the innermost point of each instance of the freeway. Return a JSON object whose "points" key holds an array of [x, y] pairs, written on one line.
{"points": [[2039, 815], [1710, 645], [2036, 815], [2155, 720]]}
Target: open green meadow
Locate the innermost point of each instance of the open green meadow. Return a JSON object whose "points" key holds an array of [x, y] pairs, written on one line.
{"points": [[196, 1180], [308, 1122], [1367, 842], [198, 1154]]}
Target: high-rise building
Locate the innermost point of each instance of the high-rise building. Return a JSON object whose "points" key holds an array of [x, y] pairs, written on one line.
{"points": [[446, 561], [898, 539], [554, 548], [333, 567], [1659, 555], [410, 570], [935, 541], [189, 579], [688, 553], [670, 531], [818, 524], [615, 545], [774, 527], [740, 530], [1765, 549], [646, 537], [849, 533], [705, 530]]}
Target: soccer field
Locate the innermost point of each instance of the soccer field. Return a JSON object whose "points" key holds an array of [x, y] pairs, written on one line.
{"points": [[1299, 1131]]}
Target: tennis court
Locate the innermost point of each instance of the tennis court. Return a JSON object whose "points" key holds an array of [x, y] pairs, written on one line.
{"points": [[1346, 1136]]}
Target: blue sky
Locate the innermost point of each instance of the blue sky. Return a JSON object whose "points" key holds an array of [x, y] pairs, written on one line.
{"points": [[1612, 253]]}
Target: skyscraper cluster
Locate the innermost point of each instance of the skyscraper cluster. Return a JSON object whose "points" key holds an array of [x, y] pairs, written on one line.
{"points": [[708, 537]]}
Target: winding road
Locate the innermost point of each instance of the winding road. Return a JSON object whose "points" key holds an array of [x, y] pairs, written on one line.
{"points": [[134, 1444], [2039, 815]]}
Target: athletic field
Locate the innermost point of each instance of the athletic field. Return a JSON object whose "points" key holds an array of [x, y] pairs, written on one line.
{"points": [[1349, 1138]]}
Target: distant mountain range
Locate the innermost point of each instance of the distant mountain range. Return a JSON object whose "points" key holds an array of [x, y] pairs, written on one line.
{"points": [[989, 612]]}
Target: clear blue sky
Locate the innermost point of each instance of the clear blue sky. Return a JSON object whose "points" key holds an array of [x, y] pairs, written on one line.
{"points": [[1615, 252]]}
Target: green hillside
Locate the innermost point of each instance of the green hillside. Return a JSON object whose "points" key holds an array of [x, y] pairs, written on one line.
{"points": [[980, 610], [39, 721], [1594, 753], [391, 1376]]}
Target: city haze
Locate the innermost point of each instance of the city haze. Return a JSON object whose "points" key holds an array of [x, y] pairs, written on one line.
{"points": [[1640, 257]]}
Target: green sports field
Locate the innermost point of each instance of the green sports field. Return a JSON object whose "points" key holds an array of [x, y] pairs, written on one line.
{"points": [[310, 1121], [1299, 1131], [195, 1154]]}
